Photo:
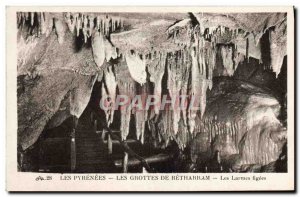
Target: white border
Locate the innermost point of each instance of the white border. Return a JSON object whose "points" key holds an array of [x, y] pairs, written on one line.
{"points": [[18, 181]]}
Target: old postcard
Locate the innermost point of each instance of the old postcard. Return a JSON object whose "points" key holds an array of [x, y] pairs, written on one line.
{"points": [[150, 99]]}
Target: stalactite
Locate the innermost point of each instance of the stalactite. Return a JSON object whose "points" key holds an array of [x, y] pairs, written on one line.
{"points": [[98, 23], [84, 28], [78, 25], [203, 55], [175, 79], [98, 48], [182, 137], [45, 23], [71, 22], [238, 58], [105, 94], [227, 57], [102, 49], [109, 87], [183, 60], [190, 66], [39, 23], [185, 84], [202, 97], [156, 68], [137, 67], [141, 114], [31, 18], [60, 30], [24, 49], [278, 49], [126, 87], [110, 51], [91, 26], [254, 47], [195, 89], [166, 126], [89, 23], [240, 44], [211, 54], [125, 113], [80, 96]]}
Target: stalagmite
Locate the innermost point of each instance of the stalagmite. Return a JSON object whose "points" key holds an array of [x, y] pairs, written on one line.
{"points": [[98, 48], [137, 67]]}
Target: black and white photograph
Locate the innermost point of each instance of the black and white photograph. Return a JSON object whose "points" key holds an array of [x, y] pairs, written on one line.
{"points": [[194, 92]]}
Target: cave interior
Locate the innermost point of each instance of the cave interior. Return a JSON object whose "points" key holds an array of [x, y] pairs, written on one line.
{"points": [[236, 68]]}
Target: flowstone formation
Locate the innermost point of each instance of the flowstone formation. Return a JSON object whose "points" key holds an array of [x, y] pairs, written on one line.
{"points": [[199, 55]]}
